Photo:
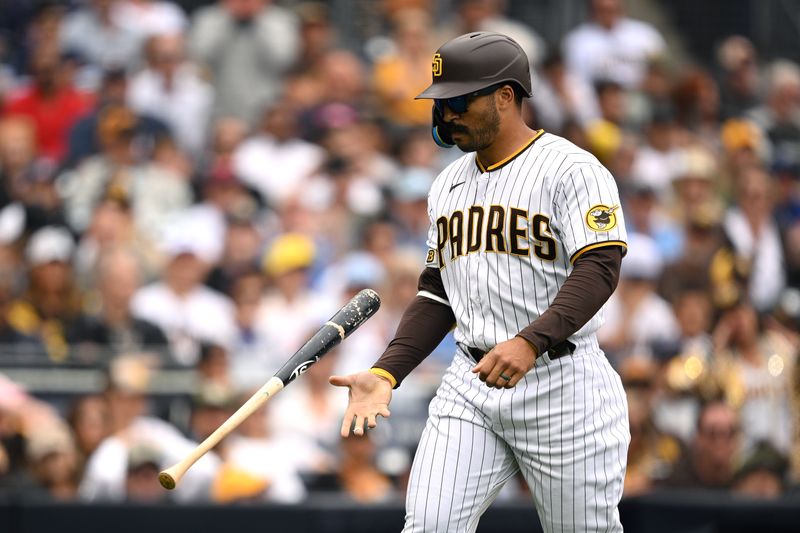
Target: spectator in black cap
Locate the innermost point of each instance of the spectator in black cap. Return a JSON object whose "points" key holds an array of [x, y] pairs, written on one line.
{"points": [[83, 137], [763, 473]]}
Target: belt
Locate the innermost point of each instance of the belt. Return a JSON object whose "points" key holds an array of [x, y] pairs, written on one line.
{"points": [[559, 350]]}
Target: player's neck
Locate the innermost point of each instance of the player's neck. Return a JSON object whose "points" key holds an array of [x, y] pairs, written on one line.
{"points": [[509, 141]]}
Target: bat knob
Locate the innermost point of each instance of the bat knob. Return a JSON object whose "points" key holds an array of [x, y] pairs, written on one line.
{"points": [[166, 480]]}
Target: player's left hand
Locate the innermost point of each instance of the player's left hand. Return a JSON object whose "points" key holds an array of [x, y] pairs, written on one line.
{"points": [[510, 359]]}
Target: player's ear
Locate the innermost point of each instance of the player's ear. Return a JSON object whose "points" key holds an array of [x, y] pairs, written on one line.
{"points": [[504, 97]]}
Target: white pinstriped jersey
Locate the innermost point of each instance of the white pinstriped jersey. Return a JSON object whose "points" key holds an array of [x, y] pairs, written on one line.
{"points": [[505, 236]]}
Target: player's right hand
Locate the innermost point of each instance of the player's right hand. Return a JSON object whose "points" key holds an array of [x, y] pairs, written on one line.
{"points": [[369, 397]]}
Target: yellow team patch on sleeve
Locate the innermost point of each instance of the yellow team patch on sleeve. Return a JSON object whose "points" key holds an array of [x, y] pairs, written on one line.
{"points": [[431, 257], [601, 217]]}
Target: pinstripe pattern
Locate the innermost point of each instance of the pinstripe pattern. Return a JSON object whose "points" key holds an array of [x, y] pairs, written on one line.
{"points": [[565, 425]]}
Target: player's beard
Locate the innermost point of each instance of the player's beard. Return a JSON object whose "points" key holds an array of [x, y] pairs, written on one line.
{"points": [[482, 135]]}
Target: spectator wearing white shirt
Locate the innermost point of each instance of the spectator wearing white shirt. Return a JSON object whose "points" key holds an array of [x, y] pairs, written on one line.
{"points": [[289, 311], [754, 237], [171, 89], [150, 17], [186, 310], [488, 15], [133, 429], [275, 161], [656, 162], [247, 46], [561, 97], [98, 37], [612, 46], [636, 317]]}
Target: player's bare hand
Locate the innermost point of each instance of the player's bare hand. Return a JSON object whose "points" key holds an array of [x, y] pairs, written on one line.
{"points": [[369, 396], [506, 363]]}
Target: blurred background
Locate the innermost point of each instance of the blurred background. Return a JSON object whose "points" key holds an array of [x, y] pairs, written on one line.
{"points": [[189, 188]]}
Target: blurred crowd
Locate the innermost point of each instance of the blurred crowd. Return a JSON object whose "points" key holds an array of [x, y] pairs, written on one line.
{"points": [[198, 189]]}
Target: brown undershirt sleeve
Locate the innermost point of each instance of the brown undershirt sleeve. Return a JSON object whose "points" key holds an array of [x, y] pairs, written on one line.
{"points": [[591, 282], [425, 323]]}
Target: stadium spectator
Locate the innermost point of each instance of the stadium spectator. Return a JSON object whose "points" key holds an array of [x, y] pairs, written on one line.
{"points": [[213, 366], [51, 303], [403, 73], [636, 316], [694, 181], [409, 205], [711, 458], [612, 46], [253, 40], [779, 115], [739, 77], [656, 161], [99, 38], [688, 361], [261, 465], [359, 478], [17, 346], [154, 192], [696, 99], [651, 454], [488, 15], [560, 96], [754, 237], [84, 136], [141, 476], [53, 463], [145, 18], [646, 215], [762, 475], [132, 426], [90, 422], [754, 374], [290, 311], [174, 91], [339, 98], [28, 196], [211, 406], [186, 310], [112, 229], [50, 89], [252, 362], [240, 255], [111, 329], [275, 161], [318, 34]]}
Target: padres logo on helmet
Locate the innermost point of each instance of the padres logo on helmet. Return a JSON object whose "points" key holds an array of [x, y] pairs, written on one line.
{"points": [[436, 67], [601, 217]]}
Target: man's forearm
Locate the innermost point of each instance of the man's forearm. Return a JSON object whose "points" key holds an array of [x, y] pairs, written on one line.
{"points": [[586, 289], [425, 323]]}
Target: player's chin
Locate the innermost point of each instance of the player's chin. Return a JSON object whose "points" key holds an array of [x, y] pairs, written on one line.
{"points": [[464, 142]]}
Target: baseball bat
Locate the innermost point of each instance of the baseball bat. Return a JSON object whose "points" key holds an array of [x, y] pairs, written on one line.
{"points": [[362, 306]]}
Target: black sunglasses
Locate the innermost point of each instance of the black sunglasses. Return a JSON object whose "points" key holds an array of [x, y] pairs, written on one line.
{"points": [[459, 104]]}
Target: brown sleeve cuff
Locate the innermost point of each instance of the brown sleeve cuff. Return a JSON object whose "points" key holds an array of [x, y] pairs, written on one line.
{"points": [[592, 281]]}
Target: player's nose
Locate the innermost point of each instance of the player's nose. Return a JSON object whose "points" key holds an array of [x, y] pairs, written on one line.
{"points": [[448, 114]]}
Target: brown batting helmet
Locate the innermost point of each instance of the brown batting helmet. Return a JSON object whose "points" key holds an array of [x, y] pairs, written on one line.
{"points": [[474, 61]]}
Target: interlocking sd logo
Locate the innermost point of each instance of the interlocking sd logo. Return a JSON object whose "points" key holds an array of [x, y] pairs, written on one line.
{"points": [[437, 65]]}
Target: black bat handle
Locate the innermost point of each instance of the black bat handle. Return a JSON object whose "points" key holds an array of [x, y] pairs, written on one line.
{"points": [[362, 306]]}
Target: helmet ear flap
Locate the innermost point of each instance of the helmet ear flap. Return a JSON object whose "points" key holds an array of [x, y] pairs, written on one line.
{"points": [[439, 131]]}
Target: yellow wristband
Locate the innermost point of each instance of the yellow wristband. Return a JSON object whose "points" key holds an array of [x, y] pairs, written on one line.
{"points": [[384, 374]]}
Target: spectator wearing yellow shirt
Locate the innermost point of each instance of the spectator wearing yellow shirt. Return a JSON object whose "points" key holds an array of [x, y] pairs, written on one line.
{"points": [[401, 74]]}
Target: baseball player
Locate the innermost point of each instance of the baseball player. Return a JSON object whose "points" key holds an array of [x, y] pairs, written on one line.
{"points": [[525, 245]]}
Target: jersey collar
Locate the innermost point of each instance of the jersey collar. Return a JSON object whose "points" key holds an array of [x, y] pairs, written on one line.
{"points": [[510, 158]]}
